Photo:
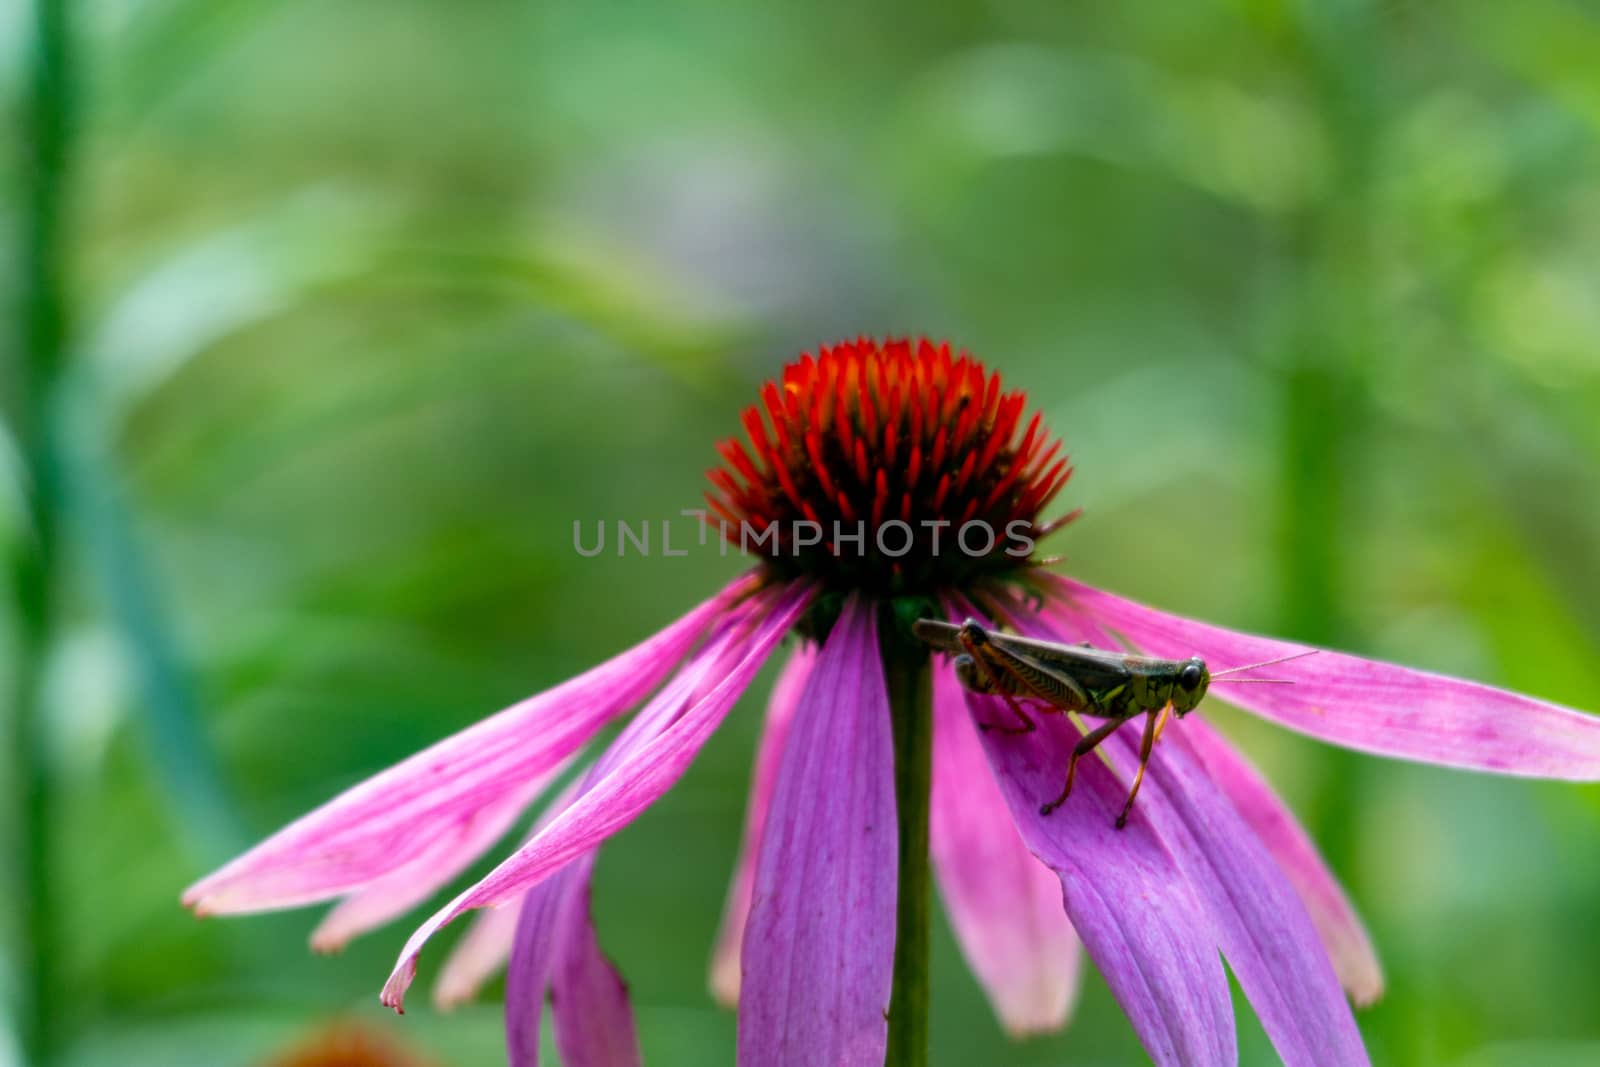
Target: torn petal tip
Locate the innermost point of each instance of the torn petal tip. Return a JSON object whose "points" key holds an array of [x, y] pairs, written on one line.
{"points": [[394, 990]]}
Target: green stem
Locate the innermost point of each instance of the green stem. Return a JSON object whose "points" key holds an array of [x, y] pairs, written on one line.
{"points": [[34, 578], [33, 380], [911, 710]]}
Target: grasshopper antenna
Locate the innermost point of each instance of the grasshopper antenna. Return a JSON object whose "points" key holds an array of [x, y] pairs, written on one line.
{"points": [[1264, 663]]}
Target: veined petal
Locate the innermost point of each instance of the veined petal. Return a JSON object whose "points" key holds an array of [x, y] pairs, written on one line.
{"points": [[1261, 925], [626, 789], [1127, 898], [819, 945], [1340, 928], [1367, 705], [549, 913], [394, 817], [486, 946], [593, 1016], [1259, 922], [1004, 905], [400, 890], [780, 712], [555, 951]]}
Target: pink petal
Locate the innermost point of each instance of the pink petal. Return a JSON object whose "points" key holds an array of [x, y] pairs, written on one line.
{"points": [[819, 945], [1366, 705], [1134, 909], [1004, 905], [1341, 931], [486, 945], [396, 816], [1260, 924], [780, 711], [478, 955], [634, 784], [406, 886]]}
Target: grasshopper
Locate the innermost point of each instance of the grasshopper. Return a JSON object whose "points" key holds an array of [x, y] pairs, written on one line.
{"points": [[1115, 686]]}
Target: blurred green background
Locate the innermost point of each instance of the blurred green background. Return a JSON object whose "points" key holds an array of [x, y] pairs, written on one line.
{"points": [[325, 321]]}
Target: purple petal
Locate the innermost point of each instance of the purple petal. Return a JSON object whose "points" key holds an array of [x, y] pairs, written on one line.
{"points": [[1259, 921], [1366, 705], [555, 951], [634, 782], [1004, 905], [1134, 909], [1260, 924], [395, 817], [550, 912], [1341, 931], [593, 1017], [819, 945], [780, 712]]}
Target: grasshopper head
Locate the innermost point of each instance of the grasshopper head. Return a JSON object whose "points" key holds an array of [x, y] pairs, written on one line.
{"points": [[1189, 688], [972, 632]]}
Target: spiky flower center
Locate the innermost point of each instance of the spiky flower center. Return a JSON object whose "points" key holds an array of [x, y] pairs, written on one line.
{"points": [[894, 468]]}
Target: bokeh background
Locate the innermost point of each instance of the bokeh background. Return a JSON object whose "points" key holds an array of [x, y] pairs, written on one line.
{"points": [[325, 321]]}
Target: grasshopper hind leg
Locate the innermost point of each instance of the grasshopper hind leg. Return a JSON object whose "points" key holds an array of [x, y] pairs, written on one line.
{"points": [[1027, 725], [978, 675]]}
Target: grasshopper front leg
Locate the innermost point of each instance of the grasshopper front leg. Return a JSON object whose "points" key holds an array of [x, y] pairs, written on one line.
{"points": [[1154, 723], [1087, 744]]}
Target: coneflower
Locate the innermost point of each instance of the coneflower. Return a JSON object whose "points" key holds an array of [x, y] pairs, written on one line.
{"points": [[882, 483]]}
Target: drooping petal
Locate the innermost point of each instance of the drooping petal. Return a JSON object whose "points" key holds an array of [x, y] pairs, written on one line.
{"points": [[486, 946], [1004, 905], [632, 785], [1132, 906], [593, 1016], [1259, 921], [555, 948], [1340, 928], [550, 911], [780, 711], [1367, 705], [819, 944], [555, 951], [406, 886], [478, 955], [394, 817], [1260, 924]]}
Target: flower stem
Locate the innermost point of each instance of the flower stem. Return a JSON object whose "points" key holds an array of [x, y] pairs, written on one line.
{"points": [[31, 384], [911, 709]]}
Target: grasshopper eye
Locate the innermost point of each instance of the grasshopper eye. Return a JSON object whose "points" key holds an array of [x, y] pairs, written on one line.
{"points": [[1189, 677]]}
